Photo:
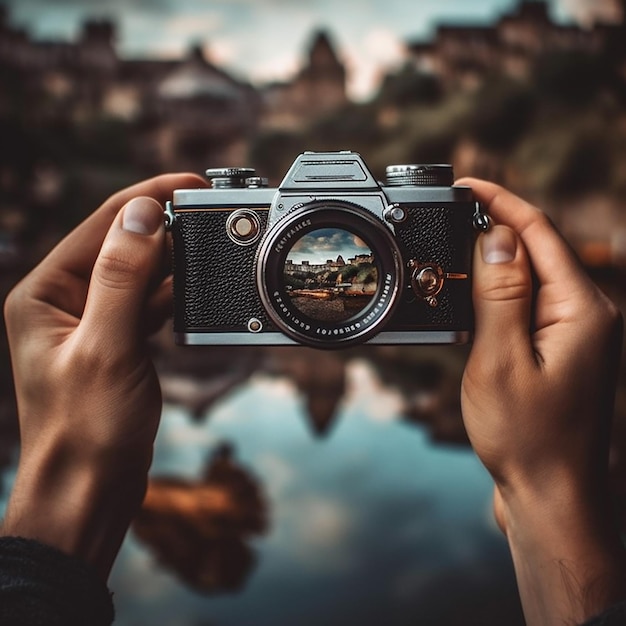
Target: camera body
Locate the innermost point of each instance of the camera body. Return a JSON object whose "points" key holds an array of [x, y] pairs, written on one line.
{"points": [[329, 259]]}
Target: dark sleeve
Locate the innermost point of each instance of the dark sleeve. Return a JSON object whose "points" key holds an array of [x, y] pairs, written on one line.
{"points": [[615, 616], [41, 586]]}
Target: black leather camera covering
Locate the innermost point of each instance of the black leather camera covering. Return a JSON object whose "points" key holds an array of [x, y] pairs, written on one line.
{"points": [[214, 285], [441, 234], [215, 288]]}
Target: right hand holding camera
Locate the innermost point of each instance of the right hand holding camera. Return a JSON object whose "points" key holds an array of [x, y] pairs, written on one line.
{"points": [[537, 403]]}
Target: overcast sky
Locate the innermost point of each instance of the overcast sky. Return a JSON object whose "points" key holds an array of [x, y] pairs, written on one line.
{"points": [[327, 244], [262, 40]]}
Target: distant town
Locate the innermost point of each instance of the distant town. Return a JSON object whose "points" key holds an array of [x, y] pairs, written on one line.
{"points": [[190, 110], [534, 104], [307, 266]]}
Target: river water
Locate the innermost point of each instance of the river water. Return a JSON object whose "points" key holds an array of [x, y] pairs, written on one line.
{"points": [[373, 524]]}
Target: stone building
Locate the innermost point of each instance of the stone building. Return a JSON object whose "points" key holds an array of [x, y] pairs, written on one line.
{"points": [[189, 112], [200, 115], [318, 89], [307, 266], [462, 55]]}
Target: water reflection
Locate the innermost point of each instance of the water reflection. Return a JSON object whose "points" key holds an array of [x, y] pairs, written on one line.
{"points": [[321, 379], [371, 525], [198, 529]]}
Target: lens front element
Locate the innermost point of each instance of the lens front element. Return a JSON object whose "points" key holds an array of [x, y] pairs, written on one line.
{"points": [[330, 275]]}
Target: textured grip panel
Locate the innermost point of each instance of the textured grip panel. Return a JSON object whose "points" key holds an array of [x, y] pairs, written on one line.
{"points": [[215, 288], [214, 283], [441, 234]]}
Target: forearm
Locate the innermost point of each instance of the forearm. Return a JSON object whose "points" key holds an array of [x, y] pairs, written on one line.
{"points": [[568, 558], [81, 508]]}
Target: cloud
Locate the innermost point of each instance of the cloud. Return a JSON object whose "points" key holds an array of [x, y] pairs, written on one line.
{"points": [[277, 67], [267, 40], [278, 474], [589, 11], [367, 397], [380, 48], [327, 243], [150, 34], [319, 529], [96, 6]]}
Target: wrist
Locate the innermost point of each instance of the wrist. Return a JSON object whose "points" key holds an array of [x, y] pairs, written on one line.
{"points": [[568, 557], [74, 504]]}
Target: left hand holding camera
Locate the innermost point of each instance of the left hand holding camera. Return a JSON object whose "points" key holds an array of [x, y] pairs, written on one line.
{"points": [[88, 397], [537, 402]]}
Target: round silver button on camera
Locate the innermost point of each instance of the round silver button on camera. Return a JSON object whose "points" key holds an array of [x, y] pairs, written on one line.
{"points": [[255, 325], [243, 227], [394, 213]]}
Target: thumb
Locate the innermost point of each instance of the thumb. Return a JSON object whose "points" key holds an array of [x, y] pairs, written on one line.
{"points": [[130, 257], [502, 294]]}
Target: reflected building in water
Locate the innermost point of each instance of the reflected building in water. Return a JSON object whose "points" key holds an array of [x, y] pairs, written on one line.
{"points": [[200, 529], [319, 376]]}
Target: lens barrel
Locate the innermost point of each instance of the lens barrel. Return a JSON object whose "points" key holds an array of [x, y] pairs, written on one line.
{"points": [[307, 313]]}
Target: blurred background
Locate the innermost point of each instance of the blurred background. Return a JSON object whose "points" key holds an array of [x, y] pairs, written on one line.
{"points": [[292, 486]]}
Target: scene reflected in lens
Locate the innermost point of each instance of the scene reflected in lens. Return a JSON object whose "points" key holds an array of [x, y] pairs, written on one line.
{"points": [[330, 275]]}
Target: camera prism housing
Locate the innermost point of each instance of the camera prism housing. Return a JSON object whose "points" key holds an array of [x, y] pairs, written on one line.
{"points": [[329, 259]]}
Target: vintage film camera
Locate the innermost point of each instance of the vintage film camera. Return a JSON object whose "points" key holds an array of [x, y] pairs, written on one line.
{"points": [[330, 259]]}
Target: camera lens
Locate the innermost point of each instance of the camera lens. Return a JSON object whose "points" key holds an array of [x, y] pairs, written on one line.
{"points": [[329, 275]]}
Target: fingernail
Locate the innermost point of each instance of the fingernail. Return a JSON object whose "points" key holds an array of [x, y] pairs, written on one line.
{"points": [[142, 216], [499, 245]]}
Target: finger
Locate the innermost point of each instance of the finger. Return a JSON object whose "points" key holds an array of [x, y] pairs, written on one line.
{"points": [[502, 295], [159, 307], [78, 251], [552, 258], [565, 290], [129, 259], [498, 510]]}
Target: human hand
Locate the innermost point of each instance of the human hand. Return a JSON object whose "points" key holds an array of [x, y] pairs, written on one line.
{"points": [[537, 401], [88, 397]]}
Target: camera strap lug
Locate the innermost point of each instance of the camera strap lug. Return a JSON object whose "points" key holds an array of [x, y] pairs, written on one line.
{"points": [[170, 216], [480, 220]]}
